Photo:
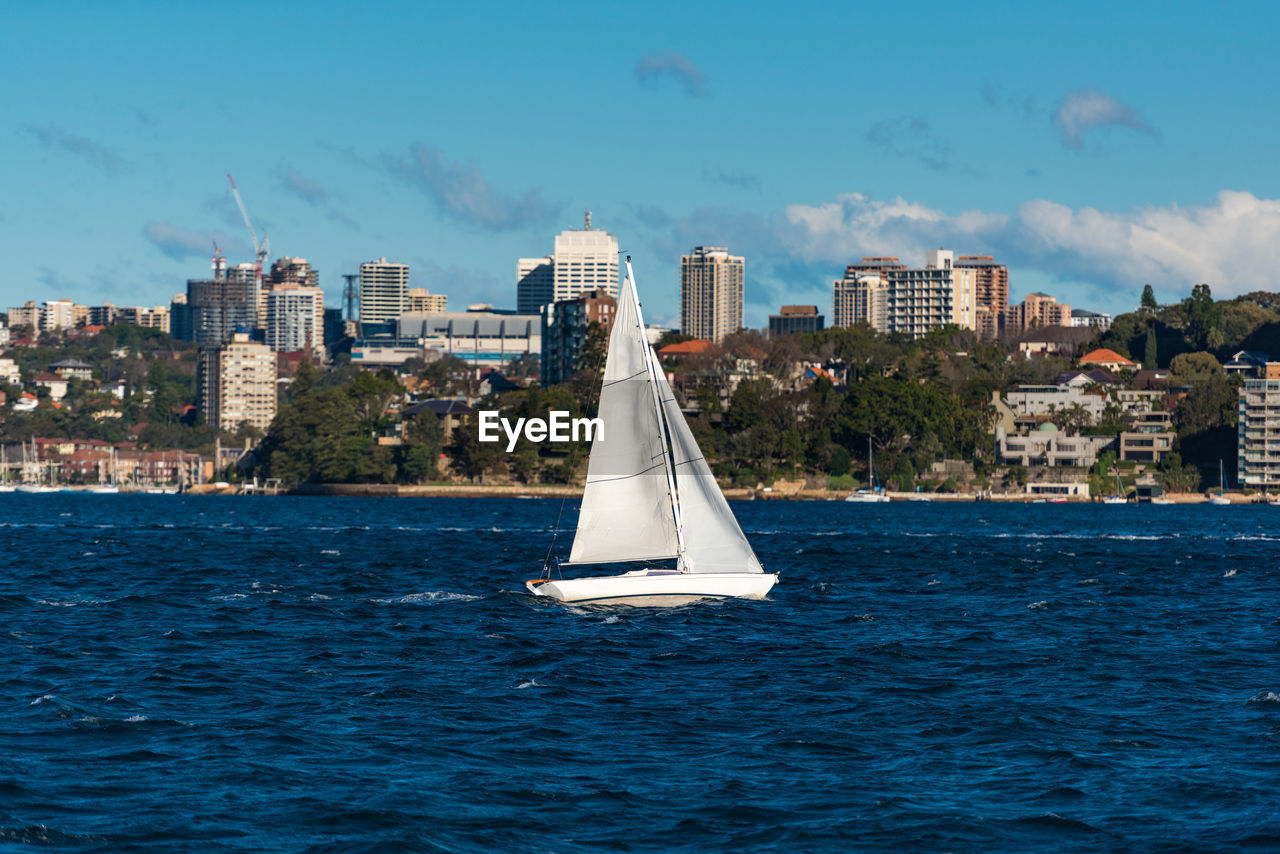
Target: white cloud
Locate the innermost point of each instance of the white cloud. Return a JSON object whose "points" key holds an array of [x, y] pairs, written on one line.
{"points": [[1232, 243], [1089, 109]]}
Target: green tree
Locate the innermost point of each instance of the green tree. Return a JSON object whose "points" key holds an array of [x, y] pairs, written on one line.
{"points": [[1149, 351], [1149, 298]]}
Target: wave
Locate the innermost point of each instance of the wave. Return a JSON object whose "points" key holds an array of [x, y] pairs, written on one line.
{"points": [[428, 596], [1264, 697]]}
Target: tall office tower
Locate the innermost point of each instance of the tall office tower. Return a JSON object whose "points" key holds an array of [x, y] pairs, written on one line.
{"points": [[585, 260], [928, 298], [535, 283], [236, 382], [861, 297], [423, 301], [295, 319], [991, 292], [566, 325], [384, 290], [180, 318], [711, 289], [582, 260], [1257, 433]]}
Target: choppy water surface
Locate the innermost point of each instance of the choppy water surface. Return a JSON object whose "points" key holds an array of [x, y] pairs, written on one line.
{"points": [[218, 674]]}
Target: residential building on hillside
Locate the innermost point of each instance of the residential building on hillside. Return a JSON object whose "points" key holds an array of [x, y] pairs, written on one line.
{"points": [[1258, 430], [860, 298], [930, 297], [1037, 310], [62, 314], [1150, 440], [566, 327], [28, 314], [4, 335], [990, 292], [236, 382], [1051, 446], [795, 320], [384, 290], [712, 283], [1099, 320]]}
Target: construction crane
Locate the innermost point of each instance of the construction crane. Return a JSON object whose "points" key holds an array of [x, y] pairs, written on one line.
{"points": [[261, 249]]}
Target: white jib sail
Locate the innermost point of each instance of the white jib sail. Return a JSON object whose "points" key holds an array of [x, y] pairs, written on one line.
{"points": [[713, 540], [626, 507]]}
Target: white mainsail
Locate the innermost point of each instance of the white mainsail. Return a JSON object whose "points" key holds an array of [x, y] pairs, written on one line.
{"points": [[626, 509], [713, 540]]}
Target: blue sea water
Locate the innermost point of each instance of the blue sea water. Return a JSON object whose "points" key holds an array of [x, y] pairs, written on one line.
{"points": [[305, 674]]}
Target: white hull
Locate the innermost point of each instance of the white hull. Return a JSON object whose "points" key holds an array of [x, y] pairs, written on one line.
{"points": [[656, 588], [867, 497], [1219, 500], [1115, 499]]}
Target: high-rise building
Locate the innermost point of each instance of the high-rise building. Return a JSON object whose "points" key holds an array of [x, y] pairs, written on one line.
{"points": [[795, 320], [583, 260], [861, 298], [990, 292], [28, 315], [237, 383], [566, 325], [384, 290], [219, 308], [103, 315], [535, 283], [61, 314], [931, 297], [295, 318], [711, 292], [422, 300], [180, 326], [1037, 309], [293, 271], [1258, 430]]}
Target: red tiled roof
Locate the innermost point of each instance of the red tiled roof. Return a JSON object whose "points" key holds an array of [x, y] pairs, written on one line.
{"points": [[1104, 355], [687, 348]]}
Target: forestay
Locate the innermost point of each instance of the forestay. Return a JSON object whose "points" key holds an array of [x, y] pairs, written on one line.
{"points": [[626, 507]]}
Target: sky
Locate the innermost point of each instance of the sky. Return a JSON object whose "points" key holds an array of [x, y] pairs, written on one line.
{"points": [[1093, 148]]}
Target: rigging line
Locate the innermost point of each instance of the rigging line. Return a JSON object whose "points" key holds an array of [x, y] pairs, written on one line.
{"points": [[623, 477], [623, 380], [546, 562]]}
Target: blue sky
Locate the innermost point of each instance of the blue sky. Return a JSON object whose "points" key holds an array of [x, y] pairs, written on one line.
{"points": [[1092, 148]]}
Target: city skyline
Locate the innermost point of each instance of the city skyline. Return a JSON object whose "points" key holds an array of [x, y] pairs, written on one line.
{"points": [[1074, 154]]}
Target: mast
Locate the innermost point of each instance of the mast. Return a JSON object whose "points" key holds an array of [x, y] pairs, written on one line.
{"points": [[662, 421]]}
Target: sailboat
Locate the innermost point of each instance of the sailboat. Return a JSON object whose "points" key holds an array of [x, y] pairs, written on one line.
{"points": [[650, 495], [111, 487], [1119, 496], [875, 493], [1220, 498]]}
